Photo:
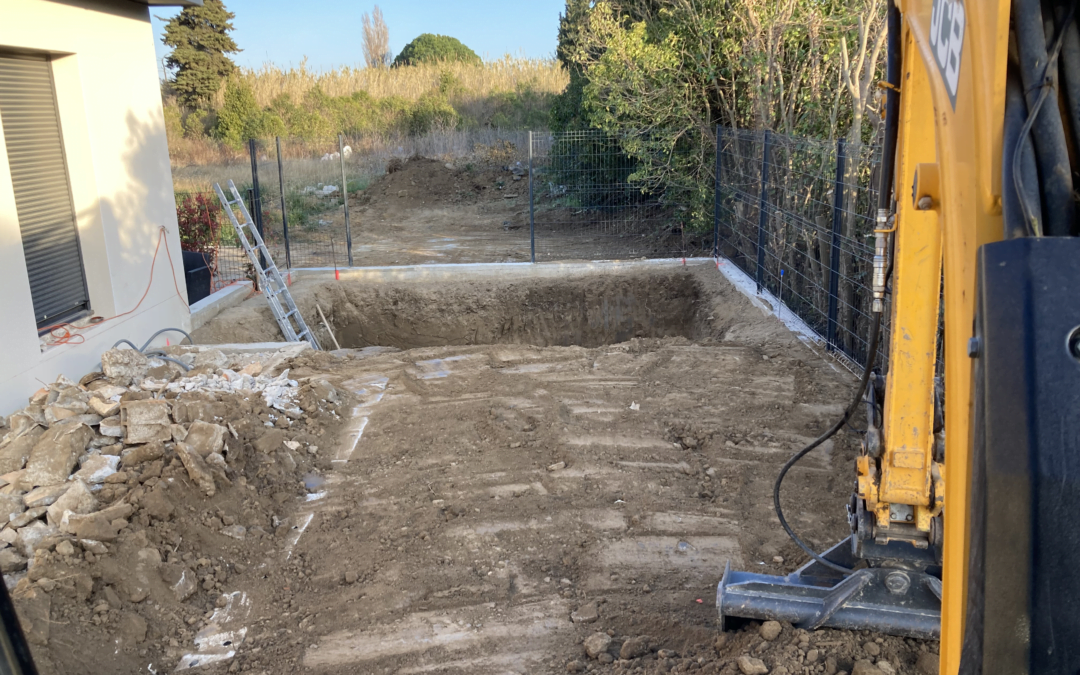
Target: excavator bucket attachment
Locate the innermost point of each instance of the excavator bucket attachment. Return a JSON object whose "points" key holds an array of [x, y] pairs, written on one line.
{"points": [[892, 600]]}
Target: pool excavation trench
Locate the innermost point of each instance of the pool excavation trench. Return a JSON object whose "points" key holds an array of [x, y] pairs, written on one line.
{"points": [[544, 454]]}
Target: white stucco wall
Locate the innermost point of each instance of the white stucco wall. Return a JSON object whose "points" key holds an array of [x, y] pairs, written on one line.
{"points": [[109, 101]]}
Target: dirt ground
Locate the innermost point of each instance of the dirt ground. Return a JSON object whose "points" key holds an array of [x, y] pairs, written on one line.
{"points": [[429, 211], [532, 471]]}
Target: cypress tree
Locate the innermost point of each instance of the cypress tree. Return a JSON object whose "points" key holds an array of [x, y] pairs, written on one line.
{"points": [[200, 40]]}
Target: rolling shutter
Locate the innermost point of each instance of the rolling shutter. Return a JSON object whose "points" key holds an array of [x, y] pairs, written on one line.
{"points": [[39, 177]]}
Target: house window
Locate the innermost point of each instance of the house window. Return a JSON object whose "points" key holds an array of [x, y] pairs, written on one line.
{"points": [[39, 177]]}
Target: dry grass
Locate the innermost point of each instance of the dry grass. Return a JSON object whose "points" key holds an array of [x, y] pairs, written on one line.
{"points": [[408, 82]]}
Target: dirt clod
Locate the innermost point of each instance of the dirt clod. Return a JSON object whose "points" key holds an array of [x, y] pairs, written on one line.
{"points": [[928, 664], [749, 665], [634, 647], [770, 630], [597, 644]]}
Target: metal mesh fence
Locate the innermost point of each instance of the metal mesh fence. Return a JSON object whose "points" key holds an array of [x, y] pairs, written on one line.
{"points": [[585, 203], [795, 214], [205, 228]]}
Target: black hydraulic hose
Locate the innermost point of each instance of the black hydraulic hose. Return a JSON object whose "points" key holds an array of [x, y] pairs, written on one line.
{"points": [[165, 357], [1069, 69], [894, 64], [167, 330], [1037, 70], [875, 335], [1012, 210]]}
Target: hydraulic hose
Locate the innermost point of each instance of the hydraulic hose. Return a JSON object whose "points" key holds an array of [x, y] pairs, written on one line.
{"points": [[1069, 68], [1037, 73], [157, 353], [894, 64], [1015, 143]]}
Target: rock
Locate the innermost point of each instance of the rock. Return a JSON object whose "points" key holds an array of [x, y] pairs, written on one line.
{"points": [[872, 648], [8, 535], [141, 453], [91, 526], [351, 577], [605, 658], [812, 656], [197, 469], [573, 666], [77, 499], [131, 631], [155, 504], [928, 664], [14, 452], [597, 644], [585, 614], [65, 548], [33, 606], [55, 453], [748, 665], [96, 468], [110, 426], [32, 535], [28, 516], [95, 547], [864, 667], [205, 438], [234, 531], [10, 506], [145, 421], [886, 667], [830, 666], [770, 630], [557, 466], [179, 579], [43, 496], [104, 408], [11, 561], [270, 441], [124, 365], [634, 648]]}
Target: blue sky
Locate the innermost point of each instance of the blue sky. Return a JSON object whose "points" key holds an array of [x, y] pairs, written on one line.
{"points": [[328, 32]]}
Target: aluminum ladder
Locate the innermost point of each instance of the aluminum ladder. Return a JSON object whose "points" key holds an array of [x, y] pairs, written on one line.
{"points": [[270, 281]]}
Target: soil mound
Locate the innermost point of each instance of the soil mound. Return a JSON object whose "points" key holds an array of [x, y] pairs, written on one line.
{"points": [[421, 182]]}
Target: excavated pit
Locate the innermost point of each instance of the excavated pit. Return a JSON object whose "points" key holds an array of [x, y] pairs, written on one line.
{"points": [[587, 311]]}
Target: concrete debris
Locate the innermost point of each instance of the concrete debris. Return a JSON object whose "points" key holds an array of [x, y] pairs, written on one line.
{"points": [[278, 392], [106, 391], [105, 408], [110, 426], [96, 469], [28, 516], [139, 454], [145, 421], [748, 665], [586, 614], [180, 579], [13, 453], [11, 561], [33, 606], [10, 506], [77, 499], [44, 496], [124, 366], [597, 644], [205, 438], [55, 453], [197, 469], [33, 534]]}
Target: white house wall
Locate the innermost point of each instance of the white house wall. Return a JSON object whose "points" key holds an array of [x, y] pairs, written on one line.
{"points": [[109, 101]]}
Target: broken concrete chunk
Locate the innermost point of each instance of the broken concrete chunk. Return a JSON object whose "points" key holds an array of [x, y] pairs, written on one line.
{"points": [[77, 499], [124, 365], [11, 561], [107, 391], [55, 453], [179, 433], [96, 468], [234, 531], [197, 469], [585, 614], [10, 506], [90, 526], [596, 644], [142, 453], [110, 426], [105, 408], [145, 421], [33, 534], [748, 665], [205, 438], [8, 535], [28, 516], [93, 546], [13, 453], [44, 496]]}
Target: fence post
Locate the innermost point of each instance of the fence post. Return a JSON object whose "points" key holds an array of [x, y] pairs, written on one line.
{"points": [[834, 247], [256, 196], [532, 208], [284, 215], [345, 196], [716, 200], [763, 212]]}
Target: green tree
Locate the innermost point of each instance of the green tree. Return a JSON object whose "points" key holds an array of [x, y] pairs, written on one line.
{"points": [[240, 117], [200, 41], [428, 47]]}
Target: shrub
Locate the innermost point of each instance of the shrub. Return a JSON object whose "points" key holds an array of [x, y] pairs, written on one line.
{"points": [[432, 111], [197, 216], [427, 48], [240, 117]]}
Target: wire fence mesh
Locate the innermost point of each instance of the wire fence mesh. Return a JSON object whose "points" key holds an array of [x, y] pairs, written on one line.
{"points": [[796, 215]]}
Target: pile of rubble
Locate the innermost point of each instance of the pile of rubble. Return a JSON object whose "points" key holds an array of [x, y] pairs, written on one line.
{"points": [[102, 480]]}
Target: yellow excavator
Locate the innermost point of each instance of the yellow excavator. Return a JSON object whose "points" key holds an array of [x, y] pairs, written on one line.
{"points": [[965, 513]]}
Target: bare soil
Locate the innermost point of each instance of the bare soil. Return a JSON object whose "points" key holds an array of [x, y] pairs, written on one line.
{"points": [[528, 464]]}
